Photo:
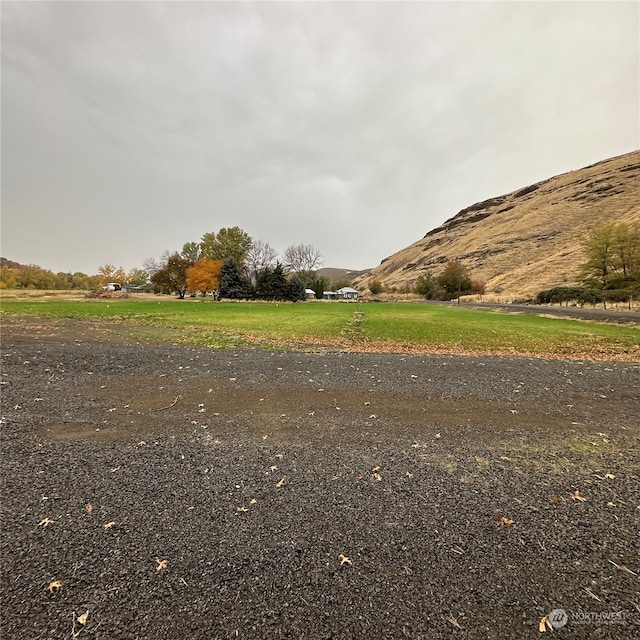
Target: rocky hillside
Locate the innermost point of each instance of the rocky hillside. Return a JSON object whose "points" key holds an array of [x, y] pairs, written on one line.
{"points": [[527, 240]]}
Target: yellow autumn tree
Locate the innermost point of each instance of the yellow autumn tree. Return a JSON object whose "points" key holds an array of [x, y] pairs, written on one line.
{"points": [[204, 275], [109, 273]]}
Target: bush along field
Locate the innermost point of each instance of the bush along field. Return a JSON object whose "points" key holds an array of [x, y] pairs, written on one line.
{"points": [[389, 327]]}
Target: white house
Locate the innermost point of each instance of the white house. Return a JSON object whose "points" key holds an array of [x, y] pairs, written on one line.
{"points": [[347, 293]]}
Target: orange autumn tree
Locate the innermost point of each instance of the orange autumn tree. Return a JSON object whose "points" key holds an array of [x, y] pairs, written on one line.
{"points": [[204, 275]]}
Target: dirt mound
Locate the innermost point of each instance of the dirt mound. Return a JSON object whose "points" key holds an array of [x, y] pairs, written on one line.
{"points": [[107, 295]]}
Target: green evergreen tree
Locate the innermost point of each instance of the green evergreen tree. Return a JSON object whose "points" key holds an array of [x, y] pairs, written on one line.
{"points": [[233, 284], [296, 290], [272, 284], [319, 285]]}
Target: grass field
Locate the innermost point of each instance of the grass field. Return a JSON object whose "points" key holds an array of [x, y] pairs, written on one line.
{"points": [[393, 327]]}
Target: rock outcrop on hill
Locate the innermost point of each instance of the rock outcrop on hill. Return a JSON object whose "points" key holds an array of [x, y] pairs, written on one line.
{"points": [[527, 240]]}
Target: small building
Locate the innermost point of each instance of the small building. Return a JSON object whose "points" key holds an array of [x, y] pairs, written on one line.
{"points": [[310, 293], [329, 295], [347, 293]]}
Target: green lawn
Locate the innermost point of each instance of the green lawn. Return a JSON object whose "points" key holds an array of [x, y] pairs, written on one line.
{"points": [[356, 326]]}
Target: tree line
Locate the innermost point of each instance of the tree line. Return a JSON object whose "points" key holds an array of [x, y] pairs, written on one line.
{"points": [[229, 263], [610, 272], [454, 281], [31, 276]]}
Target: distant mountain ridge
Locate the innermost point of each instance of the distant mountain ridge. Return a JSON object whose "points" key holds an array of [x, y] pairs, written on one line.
{"points": [[527, 240], [334, 274], [10, 264]]}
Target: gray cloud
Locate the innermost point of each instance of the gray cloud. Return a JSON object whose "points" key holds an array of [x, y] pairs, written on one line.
{"points": [[131, 128]]}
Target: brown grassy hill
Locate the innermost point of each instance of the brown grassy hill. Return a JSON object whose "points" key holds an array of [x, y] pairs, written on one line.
{"points": [[527, 240], [334, 274]]}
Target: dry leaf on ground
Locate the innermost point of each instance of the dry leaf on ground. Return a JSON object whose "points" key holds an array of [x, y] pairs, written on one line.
{"points": [[54, 585], [344, 560], [89, 509], [282, 483], [545, 625], [576, 496], [502, 521], [162, 564], [83, 618], [45, 522], [108, 525]]}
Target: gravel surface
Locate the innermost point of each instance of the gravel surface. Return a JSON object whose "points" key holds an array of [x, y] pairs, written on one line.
{"points": [[177, 492], [611, 315]]}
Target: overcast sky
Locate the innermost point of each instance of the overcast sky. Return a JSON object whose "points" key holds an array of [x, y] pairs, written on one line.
{"points": [[130, 128]]}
